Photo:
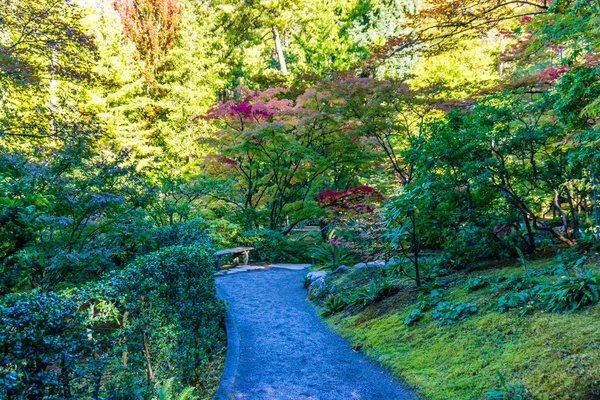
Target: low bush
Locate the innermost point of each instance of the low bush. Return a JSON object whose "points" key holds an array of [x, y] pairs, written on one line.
{"points": [[332, 255], [513, 283], [570, 293], [524, 300], [507, 391], [333, 304], [156, 319], [43, 339], [430, 299], [413, 317], [477, 283], [368, 294], [273, 246], [192, 232], [448, 313], [473, 243]]}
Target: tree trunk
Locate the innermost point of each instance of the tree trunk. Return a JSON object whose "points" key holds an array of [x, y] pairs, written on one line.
{"points": [[279, 50], [573, 209], [530, 236]]}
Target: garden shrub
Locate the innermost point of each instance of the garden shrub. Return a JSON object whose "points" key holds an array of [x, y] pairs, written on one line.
{"points": [[413, 317], [572, 292], [192, 232], [332, 255], [174, 315], [507, 391], [472, 243], [524, 300], [448, 313], [274, 246], [43, 340], [156, 319], [477, 283], [369, 293], [430, 299], [333, 304]]}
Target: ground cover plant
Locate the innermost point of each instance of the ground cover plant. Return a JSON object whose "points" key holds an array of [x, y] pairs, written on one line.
{"points": [[506, 328]]}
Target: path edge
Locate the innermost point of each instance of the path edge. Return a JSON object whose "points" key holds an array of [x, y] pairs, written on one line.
{"points": [[225, 390]]}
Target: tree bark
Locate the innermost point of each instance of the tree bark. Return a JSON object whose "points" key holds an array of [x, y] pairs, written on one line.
{"points": [[279, 50]]}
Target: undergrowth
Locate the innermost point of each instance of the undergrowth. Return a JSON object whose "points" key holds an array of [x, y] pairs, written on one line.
{"points": [[535, 324]]}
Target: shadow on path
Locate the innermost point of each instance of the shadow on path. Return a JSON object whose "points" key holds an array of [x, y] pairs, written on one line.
{"points": [[285, 350]]}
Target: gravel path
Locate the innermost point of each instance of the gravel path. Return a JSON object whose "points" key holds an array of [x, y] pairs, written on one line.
{"points": [[286, 352]]}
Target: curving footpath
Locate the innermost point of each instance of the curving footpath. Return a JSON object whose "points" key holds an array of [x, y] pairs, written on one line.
{"points": [[278, 348]]}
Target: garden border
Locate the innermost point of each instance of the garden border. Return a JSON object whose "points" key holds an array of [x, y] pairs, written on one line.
{"points": [[225, 390]]}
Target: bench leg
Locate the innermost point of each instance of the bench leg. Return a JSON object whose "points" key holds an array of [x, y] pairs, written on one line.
{"points": [[218, 263], [246, 258]]}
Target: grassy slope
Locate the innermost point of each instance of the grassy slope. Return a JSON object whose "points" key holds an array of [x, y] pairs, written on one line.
{"points": [[554, 356]]}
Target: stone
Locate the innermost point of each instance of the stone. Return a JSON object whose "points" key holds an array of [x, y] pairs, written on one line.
{"points": [[340, 269], [317, 285], [360, 265], [376, 263], [313, 276]]}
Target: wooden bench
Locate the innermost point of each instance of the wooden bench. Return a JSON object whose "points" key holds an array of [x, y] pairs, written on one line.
{"points": [[244, 250]]}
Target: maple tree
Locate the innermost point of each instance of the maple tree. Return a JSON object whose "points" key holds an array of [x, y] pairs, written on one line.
{"points": [[275, 151], [152, 26]]}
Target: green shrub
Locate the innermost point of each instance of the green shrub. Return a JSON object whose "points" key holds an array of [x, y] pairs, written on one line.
{"points": [[570, 293], [192, 232], [524, 300], [43, 340], [167, 392], [514, 283], [507, 391], [469, 244], [369, 293], [430, 299], [157, 318], [273, 246], [306, 282], [413, 317], [477, 283], [448, 313], [170, 297], [332, 256], [387, 288], [333, 304]]}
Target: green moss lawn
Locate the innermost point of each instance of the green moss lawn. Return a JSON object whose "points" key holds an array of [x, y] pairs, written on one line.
{"points": [[552, 355]]}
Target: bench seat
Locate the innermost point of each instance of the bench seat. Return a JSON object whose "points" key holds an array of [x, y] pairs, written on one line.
{"points": [[236, 250]]}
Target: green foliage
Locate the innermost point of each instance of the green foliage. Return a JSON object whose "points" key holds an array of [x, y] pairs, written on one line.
{"points": [[166, 392], [87, 221], [477, 283], [192, 232], [430, 298], [332, 255], [507, 391], [306, 281], [413, 317], [570, 293], [426, 354], [524, 300], [370, 293], [448, 313], [171, 293], [160, 314], [273, 246], [334, 303], [43, 339]]}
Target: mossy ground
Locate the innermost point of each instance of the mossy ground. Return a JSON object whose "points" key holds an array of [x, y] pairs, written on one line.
{"points": [[552, 355]]}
